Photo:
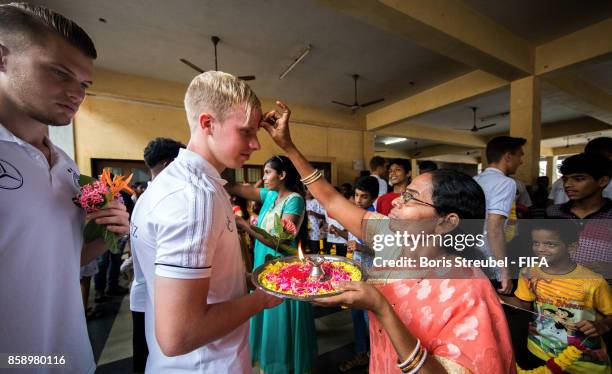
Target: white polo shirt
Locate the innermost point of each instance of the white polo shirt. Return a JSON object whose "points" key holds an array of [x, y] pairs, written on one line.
{"points": [[41, 309], [138, 289], [183, 227], [314, 205], [499, 190], [331, 238], [382, 185], [500, 193]]}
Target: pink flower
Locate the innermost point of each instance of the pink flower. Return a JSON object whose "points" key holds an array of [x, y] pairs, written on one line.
{"points": [[289, 226], [92, 195]]}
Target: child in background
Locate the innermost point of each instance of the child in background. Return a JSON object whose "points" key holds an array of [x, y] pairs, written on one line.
{"points": [[573, 304], [316, 215], [366, 192], [336, 235]]}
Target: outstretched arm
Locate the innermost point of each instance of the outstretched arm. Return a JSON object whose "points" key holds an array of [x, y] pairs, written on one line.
{"points": [[349, 216], [246, 191]]}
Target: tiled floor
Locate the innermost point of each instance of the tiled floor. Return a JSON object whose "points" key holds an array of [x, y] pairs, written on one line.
{"points": [[111, 338]]}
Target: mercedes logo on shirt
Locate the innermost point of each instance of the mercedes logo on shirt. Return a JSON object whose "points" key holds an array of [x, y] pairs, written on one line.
{"points": [[75, 177], [10, 177]]}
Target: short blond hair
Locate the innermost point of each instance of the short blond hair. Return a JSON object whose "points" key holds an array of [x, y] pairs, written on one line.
{"points": [[218, 93]]}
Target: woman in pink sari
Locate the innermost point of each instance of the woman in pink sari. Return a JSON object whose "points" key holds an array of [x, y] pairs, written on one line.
{"points": [[430, 319]]}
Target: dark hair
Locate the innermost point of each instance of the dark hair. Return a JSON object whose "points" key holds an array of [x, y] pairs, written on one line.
{"points": [[364, 173], [593, 164], [377, 161], [456, 192], [292, 178], [500, 145], [293, 184], [403, 163], [368, 184], [35, 21], [348, 189], [567, 229], [601, 145], [425, 166], [161, 149]]}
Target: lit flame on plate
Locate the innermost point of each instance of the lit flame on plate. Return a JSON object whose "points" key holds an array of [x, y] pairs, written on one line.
{"points": [[300, 253]]}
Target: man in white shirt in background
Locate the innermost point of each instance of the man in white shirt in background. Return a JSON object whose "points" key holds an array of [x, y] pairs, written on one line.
{"points": [[316, 216], [158, 154], [335, 236], [601, 145], [185, 239], [378, 169], [46, 65], [505, 155]]}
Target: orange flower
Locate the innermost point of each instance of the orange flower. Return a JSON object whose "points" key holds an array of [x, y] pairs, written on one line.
{"points": [[117, 183]]}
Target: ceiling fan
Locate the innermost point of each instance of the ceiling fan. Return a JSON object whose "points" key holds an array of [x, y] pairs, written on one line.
{"points": [[355, 106], [474, 127], [215, 40]]}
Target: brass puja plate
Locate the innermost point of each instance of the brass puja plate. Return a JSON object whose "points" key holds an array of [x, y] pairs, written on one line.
{"points": [[297, 284]]}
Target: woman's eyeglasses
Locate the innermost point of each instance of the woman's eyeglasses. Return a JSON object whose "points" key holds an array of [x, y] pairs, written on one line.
{"points": [[408, 195]]}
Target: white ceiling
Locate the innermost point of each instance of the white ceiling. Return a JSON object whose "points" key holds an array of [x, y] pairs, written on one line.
{"points": [[540, 21], [263, 37], [260, 38], [575, 139], [598, 72], [147, 37], [490, 104]]}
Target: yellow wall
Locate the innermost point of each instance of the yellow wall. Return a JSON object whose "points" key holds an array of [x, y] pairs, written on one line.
{"points": [[124, 112]]}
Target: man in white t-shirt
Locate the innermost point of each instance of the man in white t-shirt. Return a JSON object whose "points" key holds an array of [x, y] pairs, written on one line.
{"points": [[505, 155], [316, 215], [185, 239], [46, 65], [335, 236], [158, 154], [378, 169]]}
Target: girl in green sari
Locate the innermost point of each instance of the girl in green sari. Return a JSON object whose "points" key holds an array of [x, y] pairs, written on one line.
{"points": [[283, 339]]}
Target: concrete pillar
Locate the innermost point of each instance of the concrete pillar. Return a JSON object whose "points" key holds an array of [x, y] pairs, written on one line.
{"points": [[368, 148], [525, 122], [483, 158], [550, 168]]}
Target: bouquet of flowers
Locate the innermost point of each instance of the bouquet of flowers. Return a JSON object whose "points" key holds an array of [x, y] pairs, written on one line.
{"points": [[96, 194], [285, 234]]}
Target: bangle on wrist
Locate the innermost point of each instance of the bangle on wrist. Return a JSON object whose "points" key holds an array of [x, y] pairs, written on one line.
{"points": [[410, 359]]}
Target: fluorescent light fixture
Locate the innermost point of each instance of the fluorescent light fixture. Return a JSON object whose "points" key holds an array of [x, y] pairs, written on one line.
{"points": [[297, 60], [393, 140]]}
